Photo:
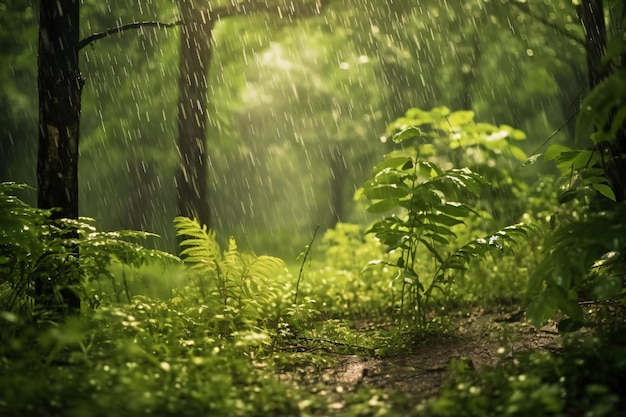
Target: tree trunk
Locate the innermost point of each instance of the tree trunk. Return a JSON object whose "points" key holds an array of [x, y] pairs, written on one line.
{"points": [[60, 87], [195, 59]]}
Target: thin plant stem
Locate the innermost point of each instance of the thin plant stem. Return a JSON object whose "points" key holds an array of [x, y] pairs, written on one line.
{"points": [[306, 254]]}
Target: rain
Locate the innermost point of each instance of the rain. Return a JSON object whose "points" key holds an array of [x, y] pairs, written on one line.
{"points": [[372, 152], [294, 105]]}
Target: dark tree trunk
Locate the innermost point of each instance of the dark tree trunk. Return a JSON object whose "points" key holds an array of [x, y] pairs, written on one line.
{"points": [[591, 14], [195, 59], [60, 84]]}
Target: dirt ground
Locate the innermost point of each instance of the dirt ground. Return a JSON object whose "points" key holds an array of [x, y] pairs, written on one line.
{"points": [[481, 338]]}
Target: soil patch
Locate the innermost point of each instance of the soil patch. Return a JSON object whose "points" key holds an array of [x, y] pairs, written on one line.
{"points": [[482, 339]]}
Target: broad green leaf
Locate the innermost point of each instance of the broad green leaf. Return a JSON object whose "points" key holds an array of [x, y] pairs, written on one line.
{"points": [[438, 237], [567, 305], [518, 134], [605, 190], [602, 102], [555, 151], [406, 134], [444, 219], [389, 176], [392, 162], [615, 47], [383, 206], [455, 209], [386, 191], [541, 308], [461, 117]]}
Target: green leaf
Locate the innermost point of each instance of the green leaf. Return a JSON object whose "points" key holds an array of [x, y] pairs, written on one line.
{"points": [[555, 151], [392, 162], [444, 219], [540, 309], [455, 209], [406, 134], [518, 153], [461, 117], [615, 47], [386, 191], [383, 206], [390, 176], [605, 190]]}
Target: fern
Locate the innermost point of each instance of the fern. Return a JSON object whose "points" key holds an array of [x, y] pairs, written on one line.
{"points": [[236, 287], [36, 250]]}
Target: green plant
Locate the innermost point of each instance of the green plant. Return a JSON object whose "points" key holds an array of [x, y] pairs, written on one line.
{"points": [[238, 290], [585, 250], [38, 252], [454, 139], [431, 203]]}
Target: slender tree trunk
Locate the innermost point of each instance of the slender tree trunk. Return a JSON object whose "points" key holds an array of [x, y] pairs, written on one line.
{"points": [[60, 87], [195, 59]]}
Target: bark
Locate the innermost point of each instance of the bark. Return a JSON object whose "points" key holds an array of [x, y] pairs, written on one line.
{"points": [[195, 59], [60, 86]]}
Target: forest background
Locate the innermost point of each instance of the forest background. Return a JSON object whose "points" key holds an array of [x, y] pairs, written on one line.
{"points": [[297, 108]]}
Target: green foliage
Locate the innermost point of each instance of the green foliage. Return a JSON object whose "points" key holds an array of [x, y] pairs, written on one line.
{"points": [[238, 290], [431, 203], [539, 384], [455, 139], [603, 111], [585, 258], [585, 248], [148, 357], [582, 173], [59, 255]]}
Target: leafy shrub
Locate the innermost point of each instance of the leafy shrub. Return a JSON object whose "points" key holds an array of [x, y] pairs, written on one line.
{"points": [[431, 203]]}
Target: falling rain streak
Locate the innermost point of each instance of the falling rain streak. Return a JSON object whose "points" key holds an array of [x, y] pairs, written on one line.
{"points": [[292, 105]]}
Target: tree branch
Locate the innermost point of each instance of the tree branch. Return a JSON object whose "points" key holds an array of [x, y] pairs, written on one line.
{"points": [[524, 9], [287, 9], [118, 29], [290, 10]]}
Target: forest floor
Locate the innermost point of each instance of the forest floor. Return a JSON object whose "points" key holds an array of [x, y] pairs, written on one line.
{"points": [[481, 338]]}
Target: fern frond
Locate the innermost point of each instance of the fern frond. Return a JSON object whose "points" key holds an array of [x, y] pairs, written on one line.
{"points": [[265, 266], [201, 249]]}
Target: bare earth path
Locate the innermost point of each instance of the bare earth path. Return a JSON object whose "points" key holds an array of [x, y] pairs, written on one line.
{"points": [[481, 338]]}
